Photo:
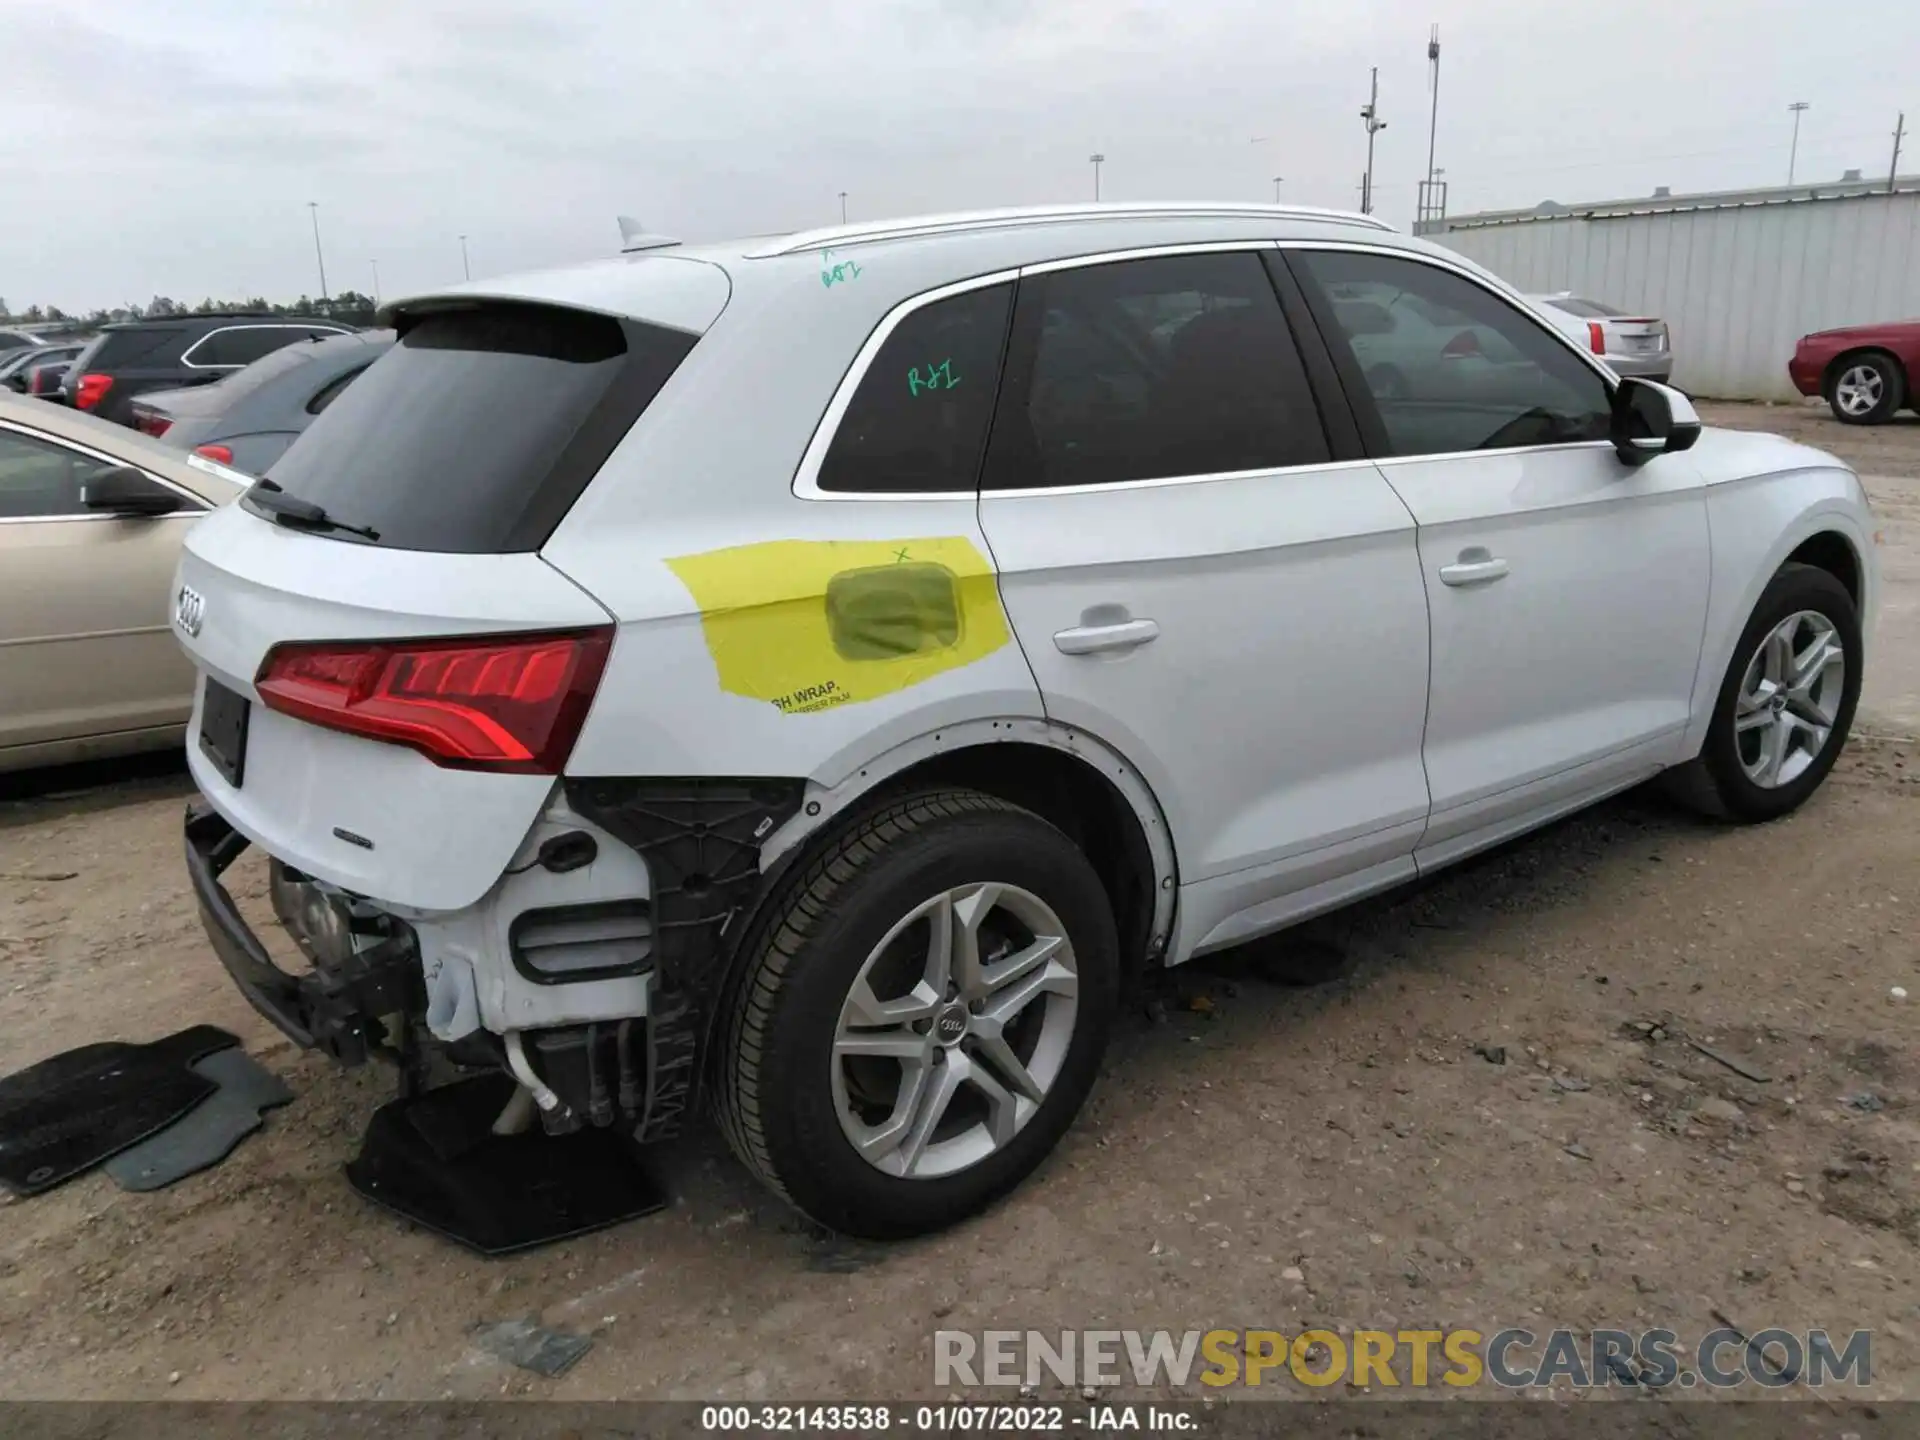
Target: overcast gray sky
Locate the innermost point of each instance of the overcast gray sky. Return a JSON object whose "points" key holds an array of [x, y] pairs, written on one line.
{"points": [[189, 137]]}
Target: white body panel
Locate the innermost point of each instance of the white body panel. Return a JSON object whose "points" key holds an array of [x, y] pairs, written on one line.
{"points": [[1580, 656], [1278, 710]]}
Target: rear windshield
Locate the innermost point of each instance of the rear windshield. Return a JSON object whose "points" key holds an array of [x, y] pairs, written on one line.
{"points": [[1585, 309], [123, 349], [479, 429]]}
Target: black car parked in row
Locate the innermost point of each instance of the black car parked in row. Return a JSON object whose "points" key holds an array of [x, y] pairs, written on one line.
{"points": [[163, 354]]}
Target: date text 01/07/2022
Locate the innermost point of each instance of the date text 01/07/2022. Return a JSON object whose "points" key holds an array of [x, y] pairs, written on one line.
{"points": [[1097, 1419]]}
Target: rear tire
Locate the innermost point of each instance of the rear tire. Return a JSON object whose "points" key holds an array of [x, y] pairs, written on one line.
{"points": [[1785, 706], [1866, 389], [838, 1041]]}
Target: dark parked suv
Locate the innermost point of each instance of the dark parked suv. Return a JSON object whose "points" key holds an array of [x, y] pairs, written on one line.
{"points": [[164, 354]]}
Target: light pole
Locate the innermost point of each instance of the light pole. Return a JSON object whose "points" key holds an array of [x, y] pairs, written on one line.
{"points": [[1798, 108], [1370, 114], [313, 209], [376, 283], [1098, 161], [465, 268], [843, 207], [1276, 188]]}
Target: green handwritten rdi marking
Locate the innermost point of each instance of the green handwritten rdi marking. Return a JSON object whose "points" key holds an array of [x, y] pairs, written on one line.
{"points": [[939, 377], [844, 270]]}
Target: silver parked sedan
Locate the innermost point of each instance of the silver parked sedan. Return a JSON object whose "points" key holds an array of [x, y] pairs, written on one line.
{"points": [[91, 519], [1628, 344]]}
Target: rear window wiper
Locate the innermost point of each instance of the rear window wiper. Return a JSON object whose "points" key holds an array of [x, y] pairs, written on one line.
{"points": [[298, 514]]}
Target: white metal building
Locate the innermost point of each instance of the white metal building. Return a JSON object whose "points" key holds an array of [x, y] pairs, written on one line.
{"points": [[1738, 275]]}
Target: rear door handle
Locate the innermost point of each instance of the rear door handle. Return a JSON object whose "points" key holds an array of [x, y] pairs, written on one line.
{"points": [[1474, 567], [1094, 639]]}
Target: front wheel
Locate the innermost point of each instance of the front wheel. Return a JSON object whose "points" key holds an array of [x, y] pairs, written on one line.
{"points": [[1866, 390], [1786, 704], [923, 1015]]}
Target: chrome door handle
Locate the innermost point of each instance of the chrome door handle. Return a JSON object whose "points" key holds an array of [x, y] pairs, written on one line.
{"points": [[1479, 570], [1094, 639]]}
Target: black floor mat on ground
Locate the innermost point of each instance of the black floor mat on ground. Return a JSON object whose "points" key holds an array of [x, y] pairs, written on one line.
{"points": [[206, 1134], [66, 1114], [433, 1160]]}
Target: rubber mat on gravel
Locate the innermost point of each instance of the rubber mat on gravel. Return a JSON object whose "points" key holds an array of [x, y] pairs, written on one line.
{"points": [[63, 1116]]}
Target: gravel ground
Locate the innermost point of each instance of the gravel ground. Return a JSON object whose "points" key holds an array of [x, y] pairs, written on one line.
{"points": [[1345, 1156]]}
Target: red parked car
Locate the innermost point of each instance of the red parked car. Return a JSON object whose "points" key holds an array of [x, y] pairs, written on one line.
{"points": [[1865, 372]]}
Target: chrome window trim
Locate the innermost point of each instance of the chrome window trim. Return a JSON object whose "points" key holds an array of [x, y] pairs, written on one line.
{"points": [[186, 356], [196, 505], [806, 484]]}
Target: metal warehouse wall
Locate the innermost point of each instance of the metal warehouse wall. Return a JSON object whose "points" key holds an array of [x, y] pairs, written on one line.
{"points": [[1739, 285]]}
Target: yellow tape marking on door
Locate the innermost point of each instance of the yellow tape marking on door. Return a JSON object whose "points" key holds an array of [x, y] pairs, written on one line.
{"points": [[810, 624]]}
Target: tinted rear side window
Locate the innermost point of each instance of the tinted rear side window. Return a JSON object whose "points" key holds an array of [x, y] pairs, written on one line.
{"points": [[918, 422], [479, 429], [244, 344]]}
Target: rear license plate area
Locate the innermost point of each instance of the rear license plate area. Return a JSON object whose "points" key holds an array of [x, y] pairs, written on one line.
{"points": [[223, 730]]}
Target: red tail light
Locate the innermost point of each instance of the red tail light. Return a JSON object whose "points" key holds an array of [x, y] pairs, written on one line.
{"points": [[1597, 337], [148, 423], [494, 702], [91, 390], [1464, 344], [222, 453]]}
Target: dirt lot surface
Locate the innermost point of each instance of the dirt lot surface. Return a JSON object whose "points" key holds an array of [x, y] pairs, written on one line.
{"points": [[1348, 1156]]}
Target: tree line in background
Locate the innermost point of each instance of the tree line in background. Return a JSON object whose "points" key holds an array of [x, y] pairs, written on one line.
{"points": [[349, 305]]}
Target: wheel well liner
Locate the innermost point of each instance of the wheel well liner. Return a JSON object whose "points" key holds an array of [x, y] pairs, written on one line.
{"points": [[1071, 794], [1832, 552]]}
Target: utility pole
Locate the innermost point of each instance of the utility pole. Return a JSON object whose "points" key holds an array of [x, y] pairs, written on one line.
{"points": [[376, 283], [1433, 195], [313, 209], [1799, 108], [1433, 73], [465, 268], [1098, 161], [1276, 188], [1899, 133], [1370, 114], [843, 207]]}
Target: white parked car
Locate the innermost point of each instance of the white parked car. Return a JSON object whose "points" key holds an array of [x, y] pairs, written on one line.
{"points": [[819, 671], [1630, 344]]}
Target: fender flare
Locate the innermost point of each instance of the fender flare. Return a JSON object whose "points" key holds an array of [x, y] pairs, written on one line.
{"points": [[827, 799], [1827, 515]]}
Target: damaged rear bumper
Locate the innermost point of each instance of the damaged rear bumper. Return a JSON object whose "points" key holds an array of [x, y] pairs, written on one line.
{"points": [[337, 1011]]}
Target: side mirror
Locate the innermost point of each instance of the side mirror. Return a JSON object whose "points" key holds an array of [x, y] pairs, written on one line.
{"points": [[1651, 419], [124, 490]]}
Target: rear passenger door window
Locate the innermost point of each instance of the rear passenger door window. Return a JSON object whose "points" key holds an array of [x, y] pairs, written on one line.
{"points": [[918, 422], [1449, 365], [1157, 368]]}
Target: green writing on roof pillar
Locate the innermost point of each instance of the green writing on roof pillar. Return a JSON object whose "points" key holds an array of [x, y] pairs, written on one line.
{"points": [[938, 377]]}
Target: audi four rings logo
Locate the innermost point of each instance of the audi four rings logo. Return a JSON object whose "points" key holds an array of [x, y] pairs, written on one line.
{"points": [[188, 608]]}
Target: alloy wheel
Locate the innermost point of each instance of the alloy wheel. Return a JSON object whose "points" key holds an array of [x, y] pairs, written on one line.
{"points": [[954, 1030], [1859, 389], [1789, 699]]}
